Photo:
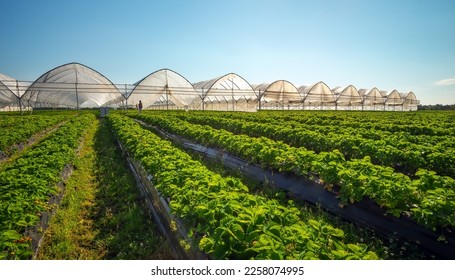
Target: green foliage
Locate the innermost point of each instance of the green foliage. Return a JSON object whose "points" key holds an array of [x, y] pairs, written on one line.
{"points": [[394, 143], [27, 183], [224, 219], [357, 177], [18, 129]]}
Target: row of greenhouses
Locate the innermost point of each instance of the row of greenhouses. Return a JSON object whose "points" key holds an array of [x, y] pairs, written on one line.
{"points": [[74, 85]]}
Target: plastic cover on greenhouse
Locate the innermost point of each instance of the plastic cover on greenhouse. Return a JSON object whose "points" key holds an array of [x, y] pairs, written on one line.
{"points": [[164, 88], [348, 96], [10, 91], [280, 93], [372, 98], [229, 92], [410, 101], [72, 85], [318, 94], [394, 98]]}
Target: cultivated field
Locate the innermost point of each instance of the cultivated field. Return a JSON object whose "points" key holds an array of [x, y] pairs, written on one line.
{"points": [[397, 167]]}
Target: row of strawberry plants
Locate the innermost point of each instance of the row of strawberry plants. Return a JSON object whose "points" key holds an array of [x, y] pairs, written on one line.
{"points": [[224, 219], [404, 156], [17, 129], [350, 126], [27, 183], [414, 123], [363, 126], [429, 200]]}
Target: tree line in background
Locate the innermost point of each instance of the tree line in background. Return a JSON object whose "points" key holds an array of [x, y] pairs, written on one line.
{"points": [[436, 107]]}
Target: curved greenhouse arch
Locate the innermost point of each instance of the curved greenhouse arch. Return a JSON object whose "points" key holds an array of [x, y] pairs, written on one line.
{"points": [[230, 92], [72, 85], [317, 96], [373, 99], [280, 94], [410, 102], [164, 87], [394, 101], [347, 97], [7, 95]]}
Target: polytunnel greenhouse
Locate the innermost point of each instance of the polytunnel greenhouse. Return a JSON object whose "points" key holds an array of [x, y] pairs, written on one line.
{"points": [[164, 89], [410, 101], [10, 92], [280, 94], [393, 101], [347, 98], [72, 85], [372, 99], [76, 86], [317, 97], [226, 93]]}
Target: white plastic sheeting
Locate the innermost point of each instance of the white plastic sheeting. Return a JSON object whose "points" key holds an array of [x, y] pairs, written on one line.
{"points": [[11, 91], [317, 96], [164, 89], [372, 99], [230, 92], [72, 85], [410, 101], [280, 94], [347, 97], [394, 101]]}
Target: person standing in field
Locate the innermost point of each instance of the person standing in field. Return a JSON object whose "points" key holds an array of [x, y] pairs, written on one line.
{"points": [[140, 106]]}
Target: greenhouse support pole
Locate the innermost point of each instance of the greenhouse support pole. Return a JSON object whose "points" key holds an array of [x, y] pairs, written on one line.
{"points": [[166, 87], [18, 96], [167, 96], [77, 95], [126, 99], [203, 101], [259, 99], [232, 93]]}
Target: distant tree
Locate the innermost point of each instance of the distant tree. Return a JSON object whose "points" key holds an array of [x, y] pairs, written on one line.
{"points": [[436, 107]]}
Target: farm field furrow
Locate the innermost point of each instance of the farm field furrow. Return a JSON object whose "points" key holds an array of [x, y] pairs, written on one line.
{"points": [[27, 184], [225, 220], [402, 155], [437, 123], [100, 195], [65, 170], [18, 129], [429, 199]]}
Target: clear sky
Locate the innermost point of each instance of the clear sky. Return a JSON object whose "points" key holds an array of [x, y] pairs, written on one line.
{"points": [[390, 44]]}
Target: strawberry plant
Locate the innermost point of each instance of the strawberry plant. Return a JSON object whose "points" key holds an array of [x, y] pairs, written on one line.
{"points": [[223, 218], [27, 184], [358, 178]]}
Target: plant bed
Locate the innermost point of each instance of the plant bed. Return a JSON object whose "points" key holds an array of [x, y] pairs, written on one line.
{"points": [[171, 227], [428, 199], [364, 212], [29, 182], [102, 214], [224, 219]]}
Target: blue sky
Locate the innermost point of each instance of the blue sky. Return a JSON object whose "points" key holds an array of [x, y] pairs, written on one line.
{"points": [[401, 44]]}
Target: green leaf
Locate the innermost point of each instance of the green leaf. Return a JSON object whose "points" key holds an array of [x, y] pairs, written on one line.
{"points": [[11, 235]]}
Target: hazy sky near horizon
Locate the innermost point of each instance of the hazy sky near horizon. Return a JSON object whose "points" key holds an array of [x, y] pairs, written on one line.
{"points": [[390, 44]]}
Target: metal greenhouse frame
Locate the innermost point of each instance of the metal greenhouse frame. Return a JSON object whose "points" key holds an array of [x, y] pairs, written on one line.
{"points": [[72, 85], [281, 94], [230, 92], [75, 85], [164, 89], [317, 97]]}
